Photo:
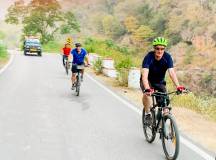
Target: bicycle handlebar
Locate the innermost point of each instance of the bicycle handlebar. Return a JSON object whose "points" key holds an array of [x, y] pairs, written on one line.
{"points": [[159, 94]]}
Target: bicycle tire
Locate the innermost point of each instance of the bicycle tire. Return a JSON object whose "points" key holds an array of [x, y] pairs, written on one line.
{"points": [[66, 68], [174, 137], [149, 137], [77, 85]]}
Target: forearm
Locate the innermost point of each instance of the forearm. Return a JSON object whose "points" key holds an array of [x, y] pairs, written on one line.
{"points": [[87, 60], [146, 84], [145, 81], [173, 77]]}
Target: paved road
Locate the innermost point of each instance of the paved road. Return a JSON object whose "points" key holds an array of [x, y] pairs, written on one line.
{"points": [[42, 119]]}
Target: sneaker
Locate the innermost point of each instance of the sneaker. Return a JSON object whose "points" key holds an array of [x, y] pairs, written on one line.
{"points": [[148, 119]]}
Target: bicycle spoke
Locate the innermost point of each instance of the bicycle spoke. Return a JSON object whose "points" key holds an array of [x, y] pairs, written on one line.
{"points": [[148, 129], [170, 138], [169, 143]]}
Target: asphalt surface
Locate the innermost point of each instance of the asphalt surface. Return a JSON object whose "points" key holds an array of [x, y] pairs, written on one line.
{"points": [[42, 119]]}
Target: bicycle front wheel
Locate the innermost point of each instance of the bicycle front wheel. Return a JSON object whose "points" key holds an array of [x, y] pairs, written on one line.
{"points": [[170, 137], [149, 129], [77, 86]]}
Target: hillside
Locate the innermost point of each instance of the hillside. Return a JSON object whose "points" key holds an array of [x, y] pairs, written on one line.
{"points": [[188, 24]]}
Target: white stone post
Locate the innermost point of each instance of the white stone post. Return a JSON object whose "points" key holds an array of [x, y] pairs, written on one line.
{"points": [[134, 78]]}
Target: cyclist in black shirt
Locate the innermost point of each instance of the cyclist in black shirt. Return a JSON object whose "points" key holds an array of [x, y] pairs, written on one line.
{"points": [[154, 67]]}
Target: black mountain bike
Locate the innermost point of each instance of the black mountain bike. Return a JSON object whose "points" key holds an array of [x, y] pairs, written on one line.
{"points": [[163, 122], [78, 79]]}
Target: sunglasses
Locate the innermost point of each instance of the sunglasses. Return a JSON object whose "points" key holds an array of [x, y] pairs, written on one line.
{"points": [[158, 48]]}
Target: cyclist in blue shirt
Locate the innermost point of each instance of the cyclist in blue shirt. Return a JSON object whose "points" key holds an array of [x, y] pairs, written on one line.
{"points": [[154, 67], [79, 55]]}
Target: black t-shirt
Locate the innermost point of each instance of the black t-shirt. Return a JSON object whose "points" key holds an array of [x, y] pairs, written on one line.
{"points": [[157, 69]]}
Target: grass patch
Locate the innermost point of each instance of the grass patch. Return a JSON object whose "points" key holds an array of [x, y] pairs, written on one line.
{"points": [[53, 47], [97, 66], [123, 66], [3, 52], [205, 105], [108, 49]]}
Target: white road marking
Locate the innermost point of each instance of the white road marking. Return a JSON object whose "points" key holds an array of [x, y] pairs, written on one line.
{"points": [[8, 64], [186, 142]]}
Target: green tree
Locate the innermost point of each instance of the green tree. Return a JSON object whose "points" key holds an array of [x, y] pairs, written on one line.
{"points": [[110, 5], [143, 34], [131, 24], [145, 14], [18, 8], [159, 24], [71, 23], [41, 17], [112, 27]]}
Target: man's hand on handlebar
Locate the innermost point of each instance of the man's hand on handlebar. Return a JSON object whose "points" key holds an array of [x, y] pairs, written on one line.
{"points": [[181, 89], [149, 91]]}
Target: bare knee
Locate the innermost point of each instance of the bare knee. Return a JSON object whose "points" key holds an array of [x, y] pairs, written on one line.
{"points": [[147, 102]]}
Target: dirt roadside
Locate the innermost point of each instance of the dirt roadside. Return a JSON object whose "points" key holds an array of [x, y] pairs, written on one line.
{"points": [[189, 122], [3, 62]]}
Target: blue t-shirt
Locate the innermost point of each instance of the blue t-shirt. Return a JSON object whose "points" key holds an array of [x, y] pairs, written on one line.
{"points": [[157, 69], [78, 58]]}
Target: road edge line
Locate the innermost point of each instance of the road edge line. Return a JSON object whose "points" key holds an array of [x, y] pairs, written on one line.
{"points": [[186, 142], [8, 64]]}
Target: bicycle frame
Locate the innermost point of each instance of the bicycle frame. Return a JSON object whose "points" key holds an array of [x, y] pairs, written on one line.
{"points": [[79, 69], [160, 113], [78, 76], [164, 123], [65, 59]]}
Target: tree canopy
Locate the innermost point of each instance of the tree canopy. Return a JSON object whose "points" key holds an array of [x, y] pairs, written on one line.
{"points": [[43, 18]]}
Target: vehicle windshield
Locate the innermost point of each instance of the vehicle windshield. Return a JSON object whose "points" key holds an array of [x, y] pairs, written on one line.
{"points": [[33, 42]]}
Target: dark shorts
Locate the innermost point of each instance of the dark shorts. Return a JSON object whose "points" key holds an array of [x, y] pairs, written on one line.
{"points": [[74, 68], [160, 87], [64, 56]]}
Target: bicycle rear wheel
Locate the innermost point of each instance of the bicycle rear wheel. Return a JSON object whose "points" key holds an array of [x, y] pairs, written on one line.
{"points": [[66, 67], [149, 129], [170, 138]]}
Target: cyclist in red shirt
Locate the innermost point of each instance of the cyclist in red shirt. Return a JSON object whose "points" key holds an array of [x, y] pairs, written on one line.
{"points": [[66, 52]]}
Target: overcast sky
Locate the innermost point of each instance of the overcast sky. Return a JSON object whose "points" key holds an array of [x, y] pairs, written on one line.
{"points": [[4, 6]]}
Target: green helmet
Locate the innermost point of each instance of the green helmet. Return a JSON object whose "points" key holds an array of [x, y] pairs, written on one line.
{"points": [[160, 41]]}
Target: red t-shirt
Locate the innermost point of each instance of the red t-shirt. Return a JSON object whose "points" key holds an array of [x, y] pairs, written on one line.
{"points": [[66, 51]]}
